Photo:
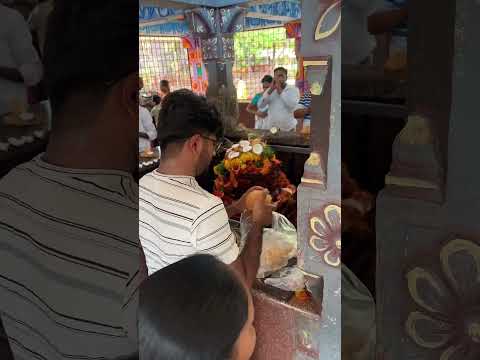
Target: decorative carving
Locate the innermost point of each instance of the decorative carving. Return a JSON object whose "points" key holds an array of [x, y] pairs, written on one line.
{"points": [[416, 156], [209, 48], [228, 48], [449, 319], [314, 172], [327, 238], [329, 22], [417, 131]]}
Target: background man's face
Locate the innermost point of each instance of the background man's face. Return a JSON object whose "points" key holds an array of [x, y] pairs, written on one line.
{"points": [[266, 85], [165, 89], [280, 77]]}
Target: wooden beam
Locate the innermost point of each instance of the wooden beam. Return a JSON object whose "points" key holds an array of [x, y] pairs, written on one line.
{"points": [[163, 20], [259, 15]]}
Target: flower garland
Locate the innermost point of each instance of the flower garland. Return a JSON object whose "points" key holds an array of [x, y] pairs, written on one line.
{"points": [[251, 163]]}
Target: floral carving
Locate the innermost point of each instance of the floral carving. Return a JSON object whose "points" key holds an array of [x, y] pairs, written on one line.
{"points": [[327, 238], [448, 320]]}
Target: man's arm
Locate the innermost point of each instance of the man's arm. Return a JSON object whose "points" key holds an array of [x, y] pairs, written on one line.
{"points": [[148, 126], [248, 262], [265, 100], [252, 109], [290, 98], [237, 207]]}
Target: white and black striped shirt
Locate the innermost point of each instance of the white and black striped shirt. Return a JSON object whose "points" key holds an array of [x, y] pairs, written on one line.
{"points": [[70, 262], [178, 219]]}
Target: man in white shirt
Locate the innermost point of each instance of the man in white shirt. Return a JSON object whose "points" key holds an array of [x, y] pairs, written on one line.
{"points": [[20, 65], [282, 100], [71, 260], [146, 129], [177, 217]]}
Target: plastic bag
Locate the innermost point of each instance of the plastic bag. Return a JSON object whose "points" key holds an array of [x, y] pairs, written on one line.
{"points": [[279, 243], [289, 279]]}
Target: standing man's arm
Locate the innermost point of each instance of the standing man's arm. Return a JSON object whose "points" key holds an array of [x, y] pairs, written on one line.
{"points": [[265, 100], [290, 97]]}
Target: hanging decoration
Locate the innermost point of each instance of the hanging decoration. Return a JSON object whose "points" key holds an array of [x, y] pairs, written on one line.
{"points": [[198, 72]]}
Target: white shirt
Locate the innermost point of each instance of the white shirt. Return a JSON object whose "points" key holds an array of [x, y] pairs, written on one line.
{"points": [[357, 42], [70, 262], [178, 219], [145, 125], [280, 108], [17, 52]]}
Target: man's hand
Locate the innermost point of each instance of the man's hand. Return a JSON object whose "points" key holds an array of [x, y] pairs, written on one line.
{"points": [[262, 213], [273, 87], [240, 205], [261, 114]]}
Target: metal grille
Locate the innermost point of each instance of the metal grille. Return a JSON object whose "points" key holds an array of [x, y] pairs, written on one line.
{"points": [[257, 53], [163, 58]]}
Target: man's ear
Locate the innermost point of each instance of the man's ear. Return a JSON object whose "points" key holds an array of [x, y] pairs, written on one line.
{"points": [[195, 143], [129, 87]]}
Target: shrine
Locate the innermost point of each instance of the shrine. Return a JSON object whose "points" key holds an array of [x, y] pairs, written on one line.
{"points": [[230, 46]]}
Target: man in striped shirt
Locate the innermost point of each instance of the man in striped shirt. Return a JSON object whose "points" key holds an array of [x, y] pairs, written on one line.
{"points": [[303, 113], [177, 217], [69, 249]]}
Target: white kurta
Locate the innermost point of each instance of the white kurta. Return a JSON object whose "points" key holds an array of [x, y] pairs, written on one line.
{"points": [[280, 108], [145, 125]]}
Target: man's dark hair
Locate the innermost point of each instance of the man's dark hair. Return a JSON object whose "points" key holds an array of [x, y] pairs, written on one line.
{"points": [[164, 83], [185, 114], [281, 68], [194, 309], [90, 45], [267, 79]]}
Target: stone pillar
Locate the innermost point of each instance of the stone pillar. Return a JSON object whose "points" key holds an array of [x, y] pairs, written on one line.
{"points": [[428, 233], [215, 28], [319, 194]]}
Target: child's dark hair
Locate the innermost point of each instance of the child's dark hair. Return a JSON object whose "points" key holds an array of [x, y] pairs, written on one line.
{"points": [[193, 309]]}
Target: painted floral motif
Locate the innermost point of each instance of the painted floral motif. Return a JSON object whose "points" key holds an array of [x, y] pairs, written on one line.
{"points": [[329, 22], [448, 320], [327, 238]]}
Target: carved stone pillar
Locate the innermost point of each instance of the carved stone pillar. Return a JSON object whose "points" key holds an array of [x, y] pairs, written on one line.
{"points": [[428, 233], [215, 28], [319, 194]]}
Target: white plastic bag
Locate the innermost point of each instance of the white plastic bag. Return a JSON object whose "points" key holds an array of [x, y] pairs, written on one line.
{"points": [[289, 279], [279, 243]]}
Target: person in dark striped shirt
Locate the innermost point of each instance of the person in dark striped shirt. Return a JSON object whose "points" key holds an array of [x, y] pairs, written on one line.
{"points": [[303, 111], [71, 259]]}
